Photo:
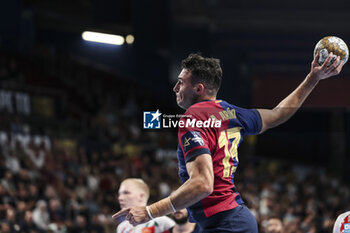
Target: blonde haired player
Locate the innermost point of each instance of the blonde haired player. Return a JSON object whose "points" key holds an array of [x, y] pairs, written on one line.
{"points": [[135, 192]]}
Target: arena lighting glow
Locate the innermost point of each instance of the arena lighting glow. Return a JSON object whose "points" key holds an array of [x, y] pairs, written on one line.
{"points": [[129, 39], [103, 38]]}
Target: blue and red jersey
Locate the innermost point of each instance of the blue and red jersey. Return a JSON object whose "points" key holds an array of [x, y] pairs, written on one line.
{"points": [[221, 142]]}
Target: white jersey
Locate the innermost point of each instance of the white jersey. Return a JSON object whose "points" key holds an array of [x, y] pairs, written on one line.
{"points": [[157, 225], [342, 224]]}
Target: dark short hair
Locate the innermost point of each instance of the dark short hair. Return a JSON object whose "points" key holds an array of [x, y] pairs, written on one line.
{"points": [[204, 69]]}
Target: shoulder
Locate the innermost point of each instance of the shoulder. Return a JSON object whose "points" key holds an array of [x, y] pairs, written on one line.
{"points": [[164, 220], [196, 229], [160, 224], [202, 110], [123, 223], [122, 226], [203, 104], [125, 226]]}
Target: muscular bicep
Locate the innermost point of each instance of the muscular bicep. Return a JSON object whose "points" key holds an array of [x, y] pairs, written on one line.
{"points": [[201, 169], [199, 185], [267, 118]]}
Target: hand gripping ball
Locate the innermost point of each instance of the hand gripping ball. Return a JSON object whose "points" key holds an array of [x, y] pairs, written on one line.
{"points": [[330, 44]]}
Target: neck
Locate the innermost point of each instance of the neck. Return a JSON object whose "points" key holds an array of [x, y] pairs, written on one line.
{"points": [[206, 97], [184, 228]]}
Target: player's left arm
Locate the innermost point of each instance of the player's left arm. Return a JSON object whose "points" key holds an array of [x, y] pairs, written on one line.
{"points": [[198, 186], [287, 107]]}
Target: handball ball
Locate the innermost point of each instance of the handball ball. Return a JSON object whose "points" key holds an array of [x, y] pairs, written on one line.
{"points": [[330, 44]]}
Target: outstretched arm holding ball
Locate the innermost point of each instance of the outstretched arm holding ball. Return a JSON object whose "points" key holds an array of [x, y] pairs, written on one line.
{"points": [[287, 107]]}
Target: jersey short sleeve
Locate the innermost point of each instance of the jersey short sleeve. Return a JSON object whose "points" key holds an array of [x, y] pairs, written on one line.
{"points": [[250, 119], [193, 141], [157, 225]]}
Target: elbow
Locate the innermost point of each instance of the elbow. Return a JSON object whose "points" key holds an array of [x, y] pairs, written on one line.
{"points": [[272, 124], [209, 190], [206, 187]]}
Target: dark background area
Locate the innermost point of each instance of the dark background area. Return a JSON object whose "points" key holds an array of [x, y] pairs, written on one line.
{"points": [[265, 49], [90, 96]]}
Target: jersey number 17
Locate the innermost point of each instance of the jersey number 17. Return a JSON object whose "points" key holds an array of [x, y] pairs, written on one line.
{"points": [[230, 152]]}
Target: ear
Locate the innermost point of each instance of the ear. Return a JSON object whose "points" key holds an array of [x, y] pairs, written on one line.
{"points": [[200, 88], [142, 197]]}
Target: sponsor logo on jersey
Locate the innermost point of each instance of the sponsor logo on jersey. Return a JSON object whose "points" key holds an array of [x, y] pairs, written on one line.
{"points": [[191, 139]]}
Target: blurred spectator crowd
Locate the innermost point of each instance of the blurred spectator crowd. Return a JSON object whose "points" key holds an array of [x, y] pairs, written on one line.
{"points": [[64, 188], [64, 181]]}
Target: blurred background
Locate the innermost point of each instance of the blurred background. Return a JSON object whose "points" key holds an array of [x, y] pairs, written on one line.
{"points": [[71, 110]]}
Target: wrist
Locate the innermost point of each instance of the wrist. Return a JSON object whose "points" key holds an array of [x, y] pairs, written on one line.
{"points": [[149, 213], [312, 78], [161, 208], [172, 206]]}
